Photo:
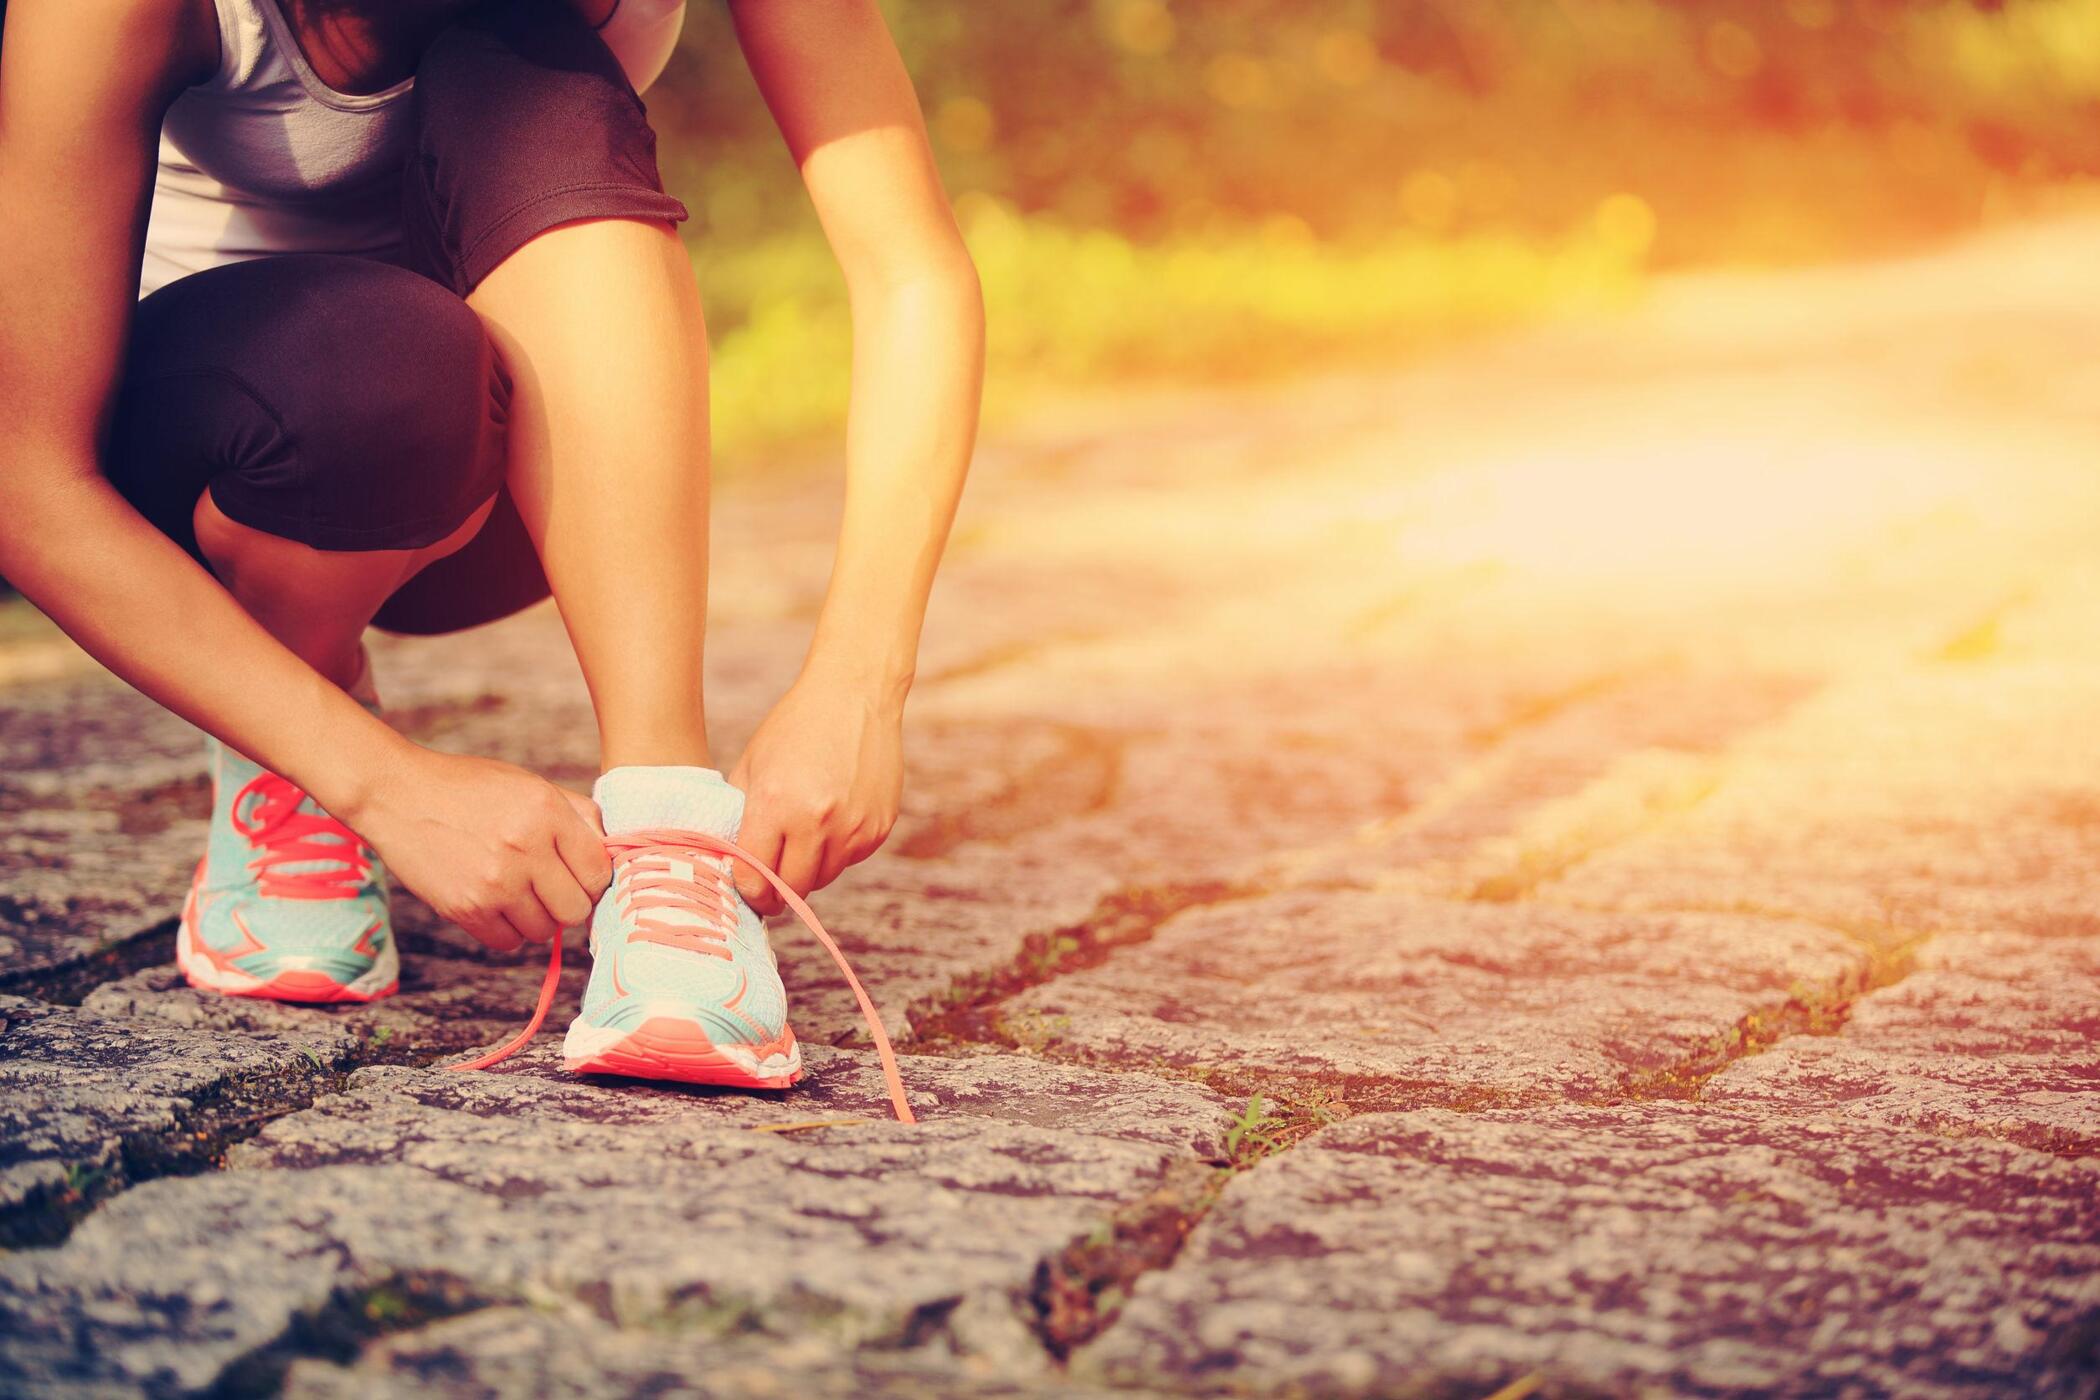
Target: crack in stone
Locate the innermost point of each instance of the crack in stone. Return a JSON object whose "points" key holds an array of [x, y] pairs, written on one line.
{"points": [[233, 1110], [1080, 778], [1535, 866], [1078, 1292], [222, 1114], [351, 1318], [964, 1012], [1541, 709], [68, 983], [1816, 1010], [1981, 639], [139, 811]]}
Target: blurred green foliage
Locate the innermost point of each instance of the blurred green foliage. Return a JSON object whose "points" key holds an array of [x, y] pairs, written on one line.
{"points": [[1069, 307], [1229, 187], [1753, 127]]}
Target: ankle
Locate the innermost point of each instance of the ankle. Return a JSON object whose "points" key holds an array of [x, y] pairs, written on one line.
{"points": [[653, 750]]}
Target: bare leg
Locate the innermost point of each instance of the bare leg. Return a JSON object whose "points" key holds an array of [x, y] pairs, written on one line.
{"points": [[317, 602], [599, 323]]}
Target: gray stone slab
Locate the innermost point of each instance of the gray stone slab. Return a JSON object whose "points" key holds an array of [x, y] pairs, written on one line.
{"points": [[1558, 783], [90, 1103], [76, 888], [1653, 1249], [90, 725], [712, 1212], [1937, 797], [445, 1007], [1395, 999], [102, 800], [510, 1351], [842, 1085], [1218, 771], [1993, 1035]]}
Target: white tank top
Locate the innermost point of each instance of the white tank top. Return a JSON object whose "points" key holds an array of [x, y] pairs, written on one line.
{"points": [[264, 157]]}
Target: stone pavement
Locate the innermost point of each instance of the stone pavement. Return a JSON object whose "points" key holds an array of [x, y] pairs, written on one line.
{"points": [[1569, 869]]}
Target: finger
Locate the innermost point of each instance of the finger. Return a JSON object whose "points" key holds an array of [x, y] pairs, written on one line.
{"points": [[554, 886], [493, 932], [766, 844], [581, 846], [801, 862], [531, 919], [839, 857]]}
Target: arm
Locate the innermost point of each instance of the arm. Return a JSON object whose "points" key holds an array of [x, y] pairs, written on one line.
{"points": [[83, 87], [824, 772]]}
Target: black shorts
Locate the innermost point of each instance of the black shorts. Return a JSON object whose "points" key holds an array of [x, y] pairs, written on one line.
{"points": [[350, 404]]}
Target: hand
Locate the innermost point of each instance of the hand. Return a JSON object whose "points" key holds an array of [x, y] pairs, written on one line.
{"points": [[503, 853], [822, 778]]}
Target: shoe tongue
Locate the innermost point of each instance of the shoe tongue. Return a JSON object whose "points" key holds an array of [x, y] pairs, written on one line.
{"points": [[680, 799]]}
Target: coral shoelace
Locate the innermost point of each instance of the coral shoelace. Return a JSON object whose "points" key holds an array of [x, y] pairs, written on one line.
{"points": [[653, 883], [283, 835], [665, 843]]}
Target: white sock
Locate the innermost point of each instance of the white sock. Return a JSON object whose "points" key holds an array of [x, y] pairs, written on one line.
{"points": [[638, 797]]}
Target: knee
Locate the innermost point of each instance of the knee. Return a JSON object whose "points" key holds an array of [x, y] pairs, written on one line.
{"points": [[416, 372], [392, 423]]}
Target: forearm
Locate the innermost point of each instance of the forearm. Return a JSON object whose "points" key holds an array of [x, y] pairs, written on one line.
{"points": [[147, 611], [918, 370]]}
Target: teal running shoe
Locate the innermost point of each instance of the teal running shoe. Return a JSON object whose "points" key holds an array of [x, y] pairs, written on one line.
{"points": [[684, 985], [287, 903]]}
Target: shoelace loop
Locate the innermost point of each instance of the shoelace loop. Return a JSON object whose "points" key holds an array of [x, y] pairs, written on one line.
{"points": [[687, 841], [282, 835], [652, 883]]}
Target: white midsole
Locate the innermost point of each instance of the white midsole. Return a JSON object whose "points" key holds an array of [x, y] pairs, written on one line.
{"points": [[585, 1042], [385, 970]]}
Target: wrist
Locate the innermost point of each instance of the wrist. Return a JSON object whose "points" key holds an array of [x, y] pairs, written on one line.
{"points": [[879, 680], [363, 756]]}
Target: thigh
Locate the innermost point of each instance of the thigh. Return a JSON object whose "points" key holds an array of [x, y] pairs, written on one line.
{"points": [[524, 120]]}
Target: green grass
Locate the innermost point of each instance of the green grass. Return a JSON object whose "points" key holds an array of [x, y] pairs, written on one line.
{"points": [[1237, 190], [1253, 1135], [1069, 308]]}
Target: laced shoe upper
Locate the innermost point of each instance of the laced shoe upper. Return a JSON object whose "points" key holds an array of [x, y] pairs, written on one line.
{"points": [[284, 886], [672, 934]]}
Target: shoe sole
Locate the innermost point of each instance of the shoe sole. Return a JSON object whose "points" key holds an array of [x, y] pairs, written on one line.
{"points": [[664, 1047], [307, 987]]}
